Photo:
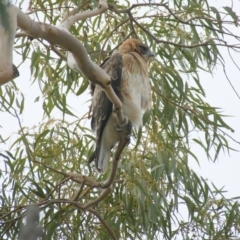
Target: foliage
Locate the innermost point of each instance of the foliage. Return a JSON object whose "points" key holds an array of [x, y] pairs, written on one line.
{"points": [[154, 182]]}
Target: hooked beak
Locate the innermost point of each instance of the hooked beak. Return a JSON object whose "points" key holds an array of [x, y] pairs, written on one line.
{"points": [[151, 54]]}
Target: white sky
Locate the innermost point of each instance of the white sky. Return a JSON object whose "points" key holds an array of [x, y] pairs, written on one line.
{"points": [[224, 172]]}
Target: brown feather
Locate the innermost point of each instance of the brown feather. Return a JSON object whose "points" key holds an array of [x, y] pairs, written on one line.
{"points": [[101, 105]]}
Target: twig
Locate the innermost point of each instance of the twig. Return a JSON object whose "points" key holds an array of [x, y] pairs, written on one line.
{"points": [[206, 43], [225, 73], [60, 54], [80, 178], [75, 10], [58, 185], [131, 24], [113, 49], [109, 35], [102, 7], [110, 231], [187, 22], [79, 191]]}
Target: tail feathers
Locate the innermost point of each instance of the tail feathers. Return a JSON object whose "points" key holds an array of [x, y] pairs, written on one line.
{"points": [[104, 143], [92, 157], [102, 159]]}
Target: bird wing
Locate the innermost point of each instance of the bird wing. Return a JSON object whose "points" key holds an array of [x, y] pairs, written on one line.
{"points": [[101, 105]]}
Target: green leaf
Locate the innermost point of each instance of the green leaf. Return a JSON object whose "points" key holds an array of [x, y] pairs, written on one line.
{"points": [[232, 14], [83, 87]]}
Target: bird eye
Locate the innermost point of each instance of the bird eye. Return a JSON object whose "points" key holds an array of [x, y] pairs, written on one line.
{"points": [[144, 49]]}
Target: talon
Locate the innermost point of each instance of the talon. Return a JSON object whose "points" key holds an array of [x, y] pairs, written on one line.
{"points": [[120, 127], [126, 129]]}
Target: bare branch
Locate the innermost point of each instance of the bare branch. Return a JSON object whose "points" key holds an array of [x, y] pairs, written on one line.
{"points": [[109, 35], [75, 11], [131, 24], [187, 22], [79, 178], [110, 231], [102, 7], [79, 192]]}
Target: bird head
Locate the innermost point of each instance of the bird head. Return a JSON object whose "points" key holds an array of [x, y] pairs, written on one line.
{"points": [[135, 45]]}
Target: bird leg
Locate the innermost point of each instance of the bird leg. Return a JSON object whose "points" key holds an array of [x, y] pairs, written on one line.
{"points": [[120, 127], [125, 131]]}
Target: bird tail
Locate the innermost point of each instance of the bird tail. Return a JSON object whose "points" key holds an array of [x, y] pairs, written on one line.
{"points": [[102, 159], [101, 156]]}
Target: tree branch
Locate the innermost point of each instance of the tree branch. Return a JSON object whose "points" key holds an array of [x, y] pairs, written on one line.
{"points": [[75, 11], [105, 193], [8, 28], [187, 22], [44, 204], [102, 7], [122, 143]]}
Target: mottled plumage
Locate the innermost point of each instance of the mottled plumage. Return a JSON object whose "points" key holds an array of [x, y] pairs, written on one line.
{"points": [[129, 78]]}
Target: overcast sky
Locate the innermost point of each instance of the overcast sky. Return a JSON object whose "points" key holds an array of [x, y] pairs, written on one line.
{"points": [[224, 172]]}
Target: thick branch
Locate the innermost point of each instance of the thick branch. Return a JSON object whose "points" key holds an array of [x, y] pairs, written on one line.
{"points": [[7, 33], [64, 39], [80, 60]]}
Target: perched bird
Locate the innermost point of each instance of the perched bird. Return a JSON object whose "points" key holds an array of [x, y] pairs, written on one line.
{"points": [[128, 70]]}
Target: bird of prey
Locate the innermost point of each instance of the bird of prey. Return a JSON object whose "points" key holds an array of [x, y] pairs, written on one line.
{"points": [[128, 69]]}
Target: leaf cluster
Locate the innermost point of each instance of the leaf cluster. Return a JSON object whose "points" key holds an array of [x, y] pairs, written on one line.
{"points": [[154, 185]]}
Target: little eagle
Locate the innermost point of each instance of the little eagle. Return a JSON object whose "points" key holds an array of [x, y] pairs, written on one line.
{"points": [[128, 69]]}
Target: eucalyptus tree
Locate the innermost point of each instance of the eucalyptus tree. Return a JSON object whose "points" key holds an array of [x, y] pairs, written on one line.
{"points": [[143, 193]]}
